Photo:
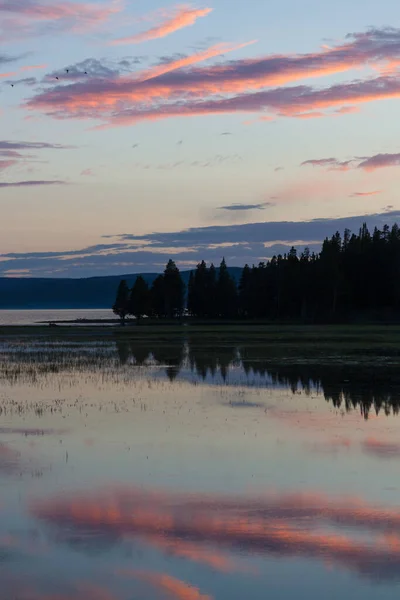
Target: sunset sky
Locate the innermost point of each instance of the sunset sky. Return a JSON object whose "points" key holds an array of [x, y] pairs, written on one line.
{"points": [[131, 132]]}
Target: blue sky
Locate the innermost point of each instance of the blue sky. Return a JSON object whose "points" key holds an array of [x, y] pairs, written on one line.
{"points": [[208, 115]]}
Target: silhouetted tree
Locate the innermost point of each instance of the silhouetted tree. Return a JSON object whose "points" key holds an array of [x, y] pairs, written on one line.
{"points": [[191, 300], [354, 276], [245, 285], [174, 290], [226, 292], [121, 304], [139, 301], [157, 302]]}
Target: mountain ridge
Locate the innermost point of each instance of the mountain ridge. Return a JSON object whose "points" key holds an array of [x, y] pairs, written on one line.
{"points": [[72, 293]]}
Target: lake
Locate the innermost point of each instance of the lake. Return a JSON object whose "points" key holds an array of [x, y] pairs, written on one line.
{"points": [[34, 317], [175, 470]]}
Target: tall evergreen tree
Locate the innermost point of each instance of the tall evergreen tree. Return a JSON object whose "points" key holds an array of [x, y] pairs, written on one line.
{"points": [[245, 307], [157, 301], [174, 290], [121, 304], [191, 299], [226, 292], [139, 301], [200, 290], [211, 299]]}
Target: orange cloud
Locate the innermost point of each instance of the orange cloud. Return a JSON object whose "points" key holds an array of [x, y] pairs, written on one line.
{"points": [[32, 67], [175, 588], [182, 17], [271, 524], [194, 552], [363, 194], [187, 61], [197, 91]]}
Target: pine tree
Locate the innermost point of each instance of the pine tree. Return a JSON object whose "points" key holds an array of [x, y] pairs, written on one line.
{"points": [[226, 293], [121, 304], [139, 302], [157, 301], [245, 292], [191, 295], [174, 290]]}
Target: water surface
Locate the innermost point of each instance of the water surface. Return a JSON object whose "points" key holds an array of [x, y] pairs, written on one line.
{"points": [[175, 471]]}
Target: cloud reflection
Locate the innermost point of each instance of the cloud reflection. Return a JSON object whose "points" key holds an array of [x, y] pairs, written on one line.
{"points": [[312, 525]]}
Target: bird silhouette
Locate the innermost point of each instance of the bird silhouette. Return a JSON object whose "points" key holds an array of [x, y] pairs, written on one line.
{"points": [[12, 85], [57, 77], [67, 70], [85, 73]]}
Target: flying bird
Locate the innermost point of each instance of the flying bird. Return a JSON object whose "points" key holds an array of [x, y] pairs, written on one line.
{"points": [[12, 85], [85, 73], [135, 146], [57, 77], [179, 143], [67, 70]]}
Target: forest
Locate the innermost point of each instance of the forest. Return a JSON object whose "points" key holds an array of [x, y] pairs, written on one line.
{"points": [[353, 276]]}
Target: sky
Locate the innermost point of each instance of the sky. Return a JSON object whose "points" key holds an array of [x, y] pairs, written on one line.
{"points": [[136, 131]]}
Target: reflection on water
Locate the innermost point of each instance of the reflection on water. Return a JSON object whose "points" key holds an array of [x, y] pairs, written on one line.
{"points": [[185, 471], [350, 386]]}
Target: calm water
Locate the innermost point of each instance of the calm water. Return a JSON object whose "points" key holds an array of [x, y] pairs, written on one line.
{"points": [[188, 473], [34, 317]]}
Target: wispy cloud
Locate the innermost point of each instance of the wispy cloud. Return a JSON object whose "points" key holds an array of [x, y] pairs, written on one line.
{"points": [[7, 145], [174, 588], [243, 207], [87, 172], [235, 86], [381, 448], [366, 163], [186, 61], [12, 153], [20, 17], [379, 161], [363, 194], [6, 164], [11, 184], [347, 532], [240, 243], [179, 18]]}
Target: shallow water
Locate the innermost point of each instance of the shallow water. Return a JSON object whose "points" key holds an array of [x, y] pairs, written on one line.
{"points": [[34, 317], [183, 472]]}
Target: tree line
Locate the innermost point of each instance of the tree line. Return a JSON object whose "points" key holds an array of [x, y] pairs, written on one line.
{"points": [[354, 274]]}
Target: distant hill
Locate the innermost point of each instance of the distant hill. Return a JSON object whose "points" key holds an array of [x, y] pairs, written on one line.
{"points": [[92, 292]]}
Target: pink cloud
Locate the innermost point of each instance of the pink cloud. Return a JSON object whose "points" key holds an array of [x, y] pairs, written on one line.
{"points": [[192, 59], [366, 163], [363, 194], [174, 588], [181, 17], [379, 161], [271, 524], [20, 16], [87, 172], [6, 164], [180, 89], [381, 448]]}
